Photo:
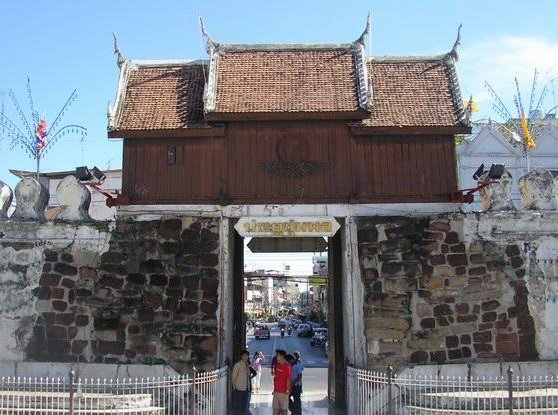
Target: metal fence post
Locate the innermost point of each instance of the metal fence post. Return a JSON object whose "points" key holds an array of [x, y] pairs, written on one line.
{"points": [[390, 392], [72, 381], [510, 390]]}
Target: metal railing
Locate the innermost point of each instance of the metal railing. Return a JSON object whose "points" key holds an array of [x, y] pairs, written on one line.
{"points": [[204, 393], [370, 392]]}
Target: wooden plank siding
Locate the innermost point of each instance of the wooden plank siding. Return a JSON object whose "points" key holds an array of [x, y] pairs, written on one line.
{"points": [[230, 169]]}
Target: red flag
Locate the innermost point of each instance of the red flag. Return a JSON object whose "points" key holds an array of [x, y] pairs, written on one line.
{"points": [[40, 135]]}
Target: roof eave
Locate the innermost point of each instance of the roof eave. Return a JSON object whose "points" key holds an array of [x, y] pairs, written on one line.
{"points": [[202, 131], [363, 130], [357, 114]]}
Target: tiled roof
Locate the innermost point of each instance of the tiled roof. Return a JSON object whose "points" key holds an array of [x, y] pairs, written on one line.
{"points": [[281, 81], [162, 97], [413, 92], [287, 80]]}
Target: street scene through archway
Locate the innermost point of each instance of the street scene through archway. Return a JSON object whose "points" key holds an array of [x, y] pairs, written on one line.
{"points": [[286, 308]]}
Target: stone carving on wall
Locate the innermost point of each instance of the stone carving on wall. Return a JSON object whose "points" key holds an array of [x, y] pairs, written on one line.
{"points": [[6, 197], [32, 199], [497, 196], [74, 198], [537, 190]]}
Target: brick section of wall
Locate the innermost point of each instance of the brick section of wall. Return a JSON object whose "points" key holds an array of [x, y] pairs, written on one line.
{"points": [[153, 297], [429, 298]]}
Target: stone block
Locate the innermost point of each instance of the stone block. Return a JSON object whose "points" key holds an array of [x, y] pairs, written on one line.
{"points": [[497, 196], [82, 320], [482, 347], [438, 356], [159, 280], [32, 199], [394, 245], [419, 357], [384, 334], [170, 229], [6, 197], [442, 310], [428, 323], [106, 347], [438, 259], [65, 269], [111, 281], [452, 342], [400, 285], [455, 354], [452, 238], [74, 199], [386, 323], [56, 332], [465, 339], [457, 259], [482, 336], [536, 189], [439, 226], [152, 266], [59, 305]]}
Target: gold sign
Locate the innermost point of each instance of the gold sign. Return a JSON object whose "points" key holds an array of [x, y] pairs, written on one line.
{"points": [[285, 227]]}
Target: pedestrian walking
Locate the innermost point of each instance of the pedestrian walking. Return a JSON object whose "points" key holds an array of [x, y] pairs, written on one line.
{"points": [[241, 382], [296, 389], [281, 384], [257, 366]]}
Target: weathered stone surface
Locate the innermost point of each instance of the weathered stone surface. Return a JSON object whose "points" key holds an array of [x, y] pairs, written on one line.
{"points": [[497, 196], [74, 199], [6, 197], [32, 199], [537, 190]]}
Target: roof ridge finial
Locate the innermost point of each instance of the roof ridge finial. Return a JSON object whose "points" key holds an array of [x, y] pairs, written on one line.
{"points": [[453, 52], [366, 32], [210, 45], [121, 59]]}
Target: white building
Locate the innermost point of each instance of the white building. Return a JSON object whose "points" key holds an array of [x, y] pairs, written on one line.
{"points": [[490, 146], [98, 209]]}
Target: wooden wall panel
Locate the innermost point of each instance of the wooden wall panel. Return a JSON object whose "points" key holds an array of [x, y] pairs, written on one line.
{"points": [[232, 169]]}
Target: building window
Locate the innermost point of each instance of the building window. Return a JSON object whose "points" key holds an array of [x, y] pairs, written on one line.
{"points": [[171, 155]]}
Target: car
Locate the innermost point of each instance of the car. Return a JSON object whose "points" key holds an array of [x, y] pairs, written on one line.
{"points": [[320, 337], [262, 332], [304, 330]]}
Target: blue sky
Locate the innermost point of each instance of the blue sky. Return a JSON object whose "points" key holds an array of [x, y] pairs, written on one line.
{"points": [[63, 45]]}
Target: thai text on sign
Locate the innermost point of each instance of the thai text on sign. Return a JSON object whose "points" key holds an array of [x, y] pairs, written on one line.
{"points": [[278, 227]]}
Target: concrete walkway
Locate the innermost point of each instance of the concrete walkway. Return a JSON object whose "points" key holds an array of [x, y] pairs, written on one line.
{"points": [[314, 395]]}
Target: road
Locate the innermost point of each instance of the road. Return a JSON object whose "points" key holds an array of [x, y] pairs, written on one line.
{"points": [[311, 357], [314, 378]]}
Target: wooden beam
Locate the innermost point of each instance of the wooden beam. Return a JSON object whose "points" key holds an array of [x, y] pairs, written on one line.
{"points": [[409, 130], [218, 131]]}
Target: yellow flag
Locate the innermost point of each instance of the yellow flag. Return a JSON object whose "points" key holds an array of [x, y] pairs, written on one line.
{"points": [[472, 104], [529, 142]]}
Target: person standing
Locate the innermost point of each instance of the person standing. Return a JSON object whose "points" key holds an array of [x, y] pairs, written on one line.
{"points": [[296, 378], [274, 362], [281, 384], [257, 366], [241, 384]]}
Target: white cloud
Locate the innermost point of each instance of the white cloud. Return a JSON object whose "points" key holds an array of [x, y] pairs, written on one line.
{"points": [[499, 60]]}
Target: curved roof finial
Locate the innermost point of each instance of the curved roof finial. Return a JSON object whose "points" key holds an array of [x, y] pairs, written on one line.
{"points": [[453, 52], [121, 59], [366, 33], [209, 43]]}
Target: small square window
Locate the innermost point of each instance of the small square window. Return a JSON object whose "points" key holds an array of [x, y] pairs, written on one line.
{"points": [[171, 155]]}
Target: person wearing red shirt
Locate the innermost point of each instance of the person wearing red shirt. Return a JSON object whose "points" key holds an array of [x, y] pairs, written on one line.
{"points": [[281, 384]]}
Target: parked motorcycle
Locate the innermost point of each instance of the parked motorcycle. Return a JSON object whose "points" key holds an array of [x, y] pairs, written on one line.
{"points": [[282, 332]]}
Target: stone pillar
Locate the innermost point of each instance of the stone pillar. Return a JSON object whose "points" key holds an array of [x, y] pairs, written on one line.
{"points": [[537, 190], [32, 200], [6, 197], [497, 196], [74, 199]]}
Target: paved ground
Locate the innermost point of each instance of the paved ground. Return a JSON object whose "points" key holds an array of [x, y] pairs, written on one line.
{"points": [[314, 396], [314, 381], [311, 356]]}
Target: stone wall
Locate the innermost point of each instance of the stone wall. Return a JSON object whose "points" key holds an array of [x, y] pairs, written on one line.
{"points": [[142, 291], [434, 294]]}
